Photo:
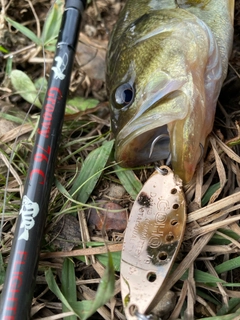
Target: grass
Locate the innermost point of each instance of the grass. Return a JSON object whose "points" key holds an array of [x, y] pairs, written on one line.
{"points": [[84, 277]]}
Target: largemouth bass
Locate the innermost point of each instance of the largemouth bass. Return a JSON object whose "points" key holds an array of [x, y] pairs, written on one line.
{"points": [[166, 63]]}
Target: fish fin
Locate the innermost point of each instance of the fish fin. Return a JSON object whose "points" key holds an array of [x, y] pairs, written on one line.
{"points": [[185, 150]]}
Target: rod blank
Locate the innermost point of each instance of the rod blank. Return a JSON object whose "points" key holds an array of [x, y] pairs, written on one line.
{"points": [[19, 283]]}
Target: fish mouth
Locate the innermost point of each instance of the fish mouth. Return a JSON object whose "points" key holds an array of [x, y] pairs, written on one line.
{"points": [[145, 138], [143, 146]]}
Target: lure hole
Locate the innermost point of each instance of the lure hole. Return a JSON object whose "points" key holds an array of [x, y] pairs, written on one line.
{"points": [[133, 310], [174, 222], [174, 191], [175, 206], [163, 171], [169, 238], [162, 256], [151, 276]]}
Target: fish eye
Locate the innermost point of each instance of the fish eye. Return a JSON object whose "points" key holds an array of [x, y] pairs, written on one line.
{"points": [[124, 95]]}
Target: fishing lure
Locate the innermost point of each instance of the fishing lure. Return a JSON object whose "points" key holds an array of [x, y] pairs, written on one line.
{"points": [[152, 239]]}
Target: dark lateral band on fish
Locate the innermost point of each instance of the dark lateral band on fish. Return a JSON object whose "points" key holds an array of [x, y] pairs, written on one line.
{"points": [[19, 283]]}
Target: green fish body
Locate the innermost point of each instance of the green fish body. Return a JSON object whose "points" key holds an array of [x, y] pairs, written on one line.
{"points": [[166, 63]]}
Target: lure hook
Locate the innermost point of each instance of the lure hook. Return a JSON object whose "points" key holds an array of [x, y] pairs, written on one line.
{"points": [[169, 159], [161, 136]]}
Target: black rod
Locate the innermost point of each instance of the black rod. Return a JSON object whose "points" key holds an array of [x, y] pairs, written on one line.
{"points": [[16, 297]]}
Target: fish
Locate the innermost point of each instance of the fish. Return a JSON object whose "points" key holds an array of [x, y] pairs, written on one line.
{"points": [[166, 63]]}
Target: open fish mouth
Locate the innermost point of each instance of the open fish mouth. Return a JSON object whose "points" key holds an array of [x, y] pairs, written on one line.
{"points": [[143, 146]]}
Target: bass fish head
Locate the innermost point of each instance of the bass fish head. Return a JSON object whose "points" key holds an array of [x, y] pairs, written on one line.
{"points": [[164, 75]]}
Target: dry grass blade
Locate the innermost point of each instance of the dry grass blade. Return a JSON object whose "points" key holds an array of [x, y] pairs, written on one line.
{"points": [[58, 316], [13, 172], [85, 235], [180, 302], [220, 170], [15, 132], [220, 286], [219, 205], [211, 227], [83, 252], [225, 148], [191, 296]]}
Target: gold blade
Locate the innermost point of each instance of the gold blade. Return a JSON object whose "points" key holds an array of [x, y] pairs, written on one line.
{"points": [[152, 240]]}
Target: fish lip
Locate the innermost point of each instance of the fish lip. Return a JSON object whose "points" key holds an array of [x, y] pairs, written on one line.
{"points": [[135, 128], [133, 145]]}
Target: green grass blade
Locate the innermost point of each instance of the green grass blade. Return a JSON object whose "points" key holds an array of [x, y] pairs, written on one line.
{"points": [[8, 69], [55, 289], [105, 289], [79, 307], [84, 309], [11, 118], [116, 258], [204, 277], [206, 296], [218, 239], [41, 85], [3, 50], [25, 87], [80, 104], [209, 193], [230, 233], [129, 180], [52, 46], [232, 316], [228, 265], [103, 258], [68, 285], [62, 189], [52, 24], [2, 270], [90, 172], [24, 30], [201, 276], [230, 284], [233, 306]]}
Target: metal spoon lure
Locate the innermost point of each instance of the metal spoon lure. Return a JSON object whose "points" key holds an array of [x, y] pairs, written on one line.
{"points": [[152, 240]]}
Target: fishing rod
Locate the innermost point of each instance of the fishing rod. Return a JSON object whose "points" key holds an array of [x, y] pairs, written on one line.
{"points": [[22, 268]]}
